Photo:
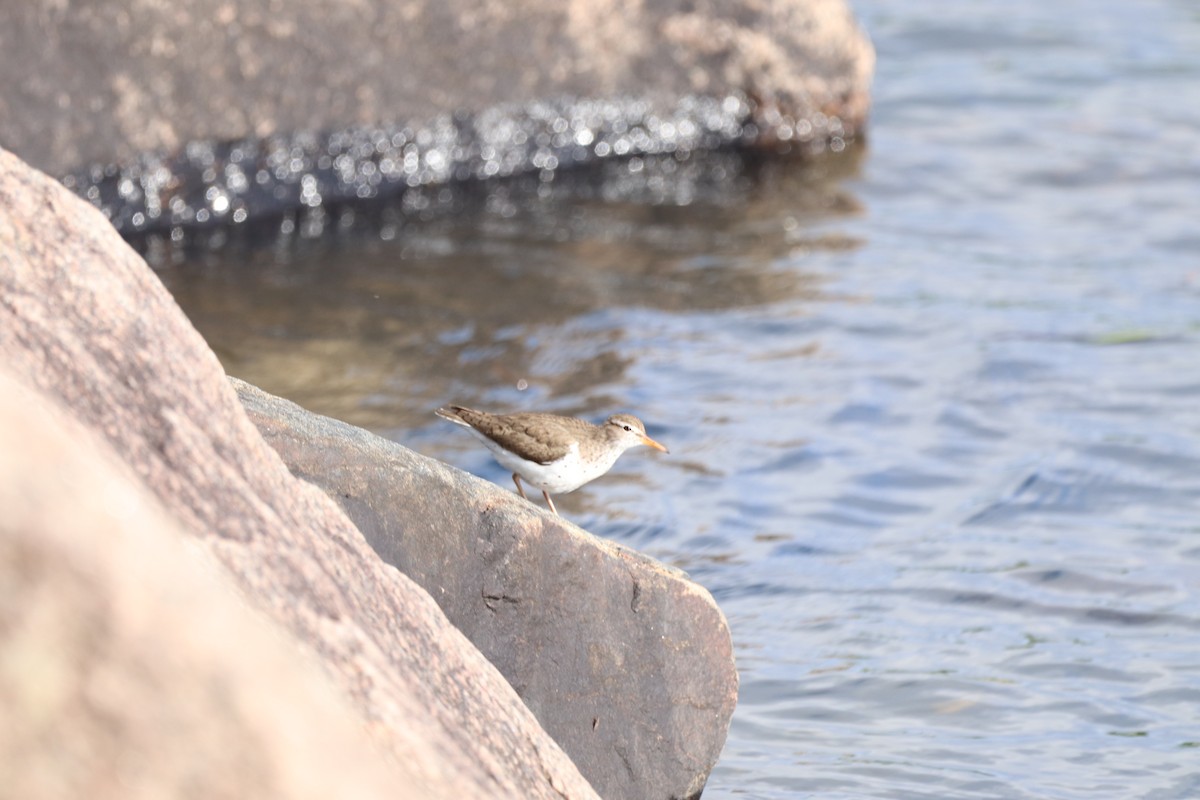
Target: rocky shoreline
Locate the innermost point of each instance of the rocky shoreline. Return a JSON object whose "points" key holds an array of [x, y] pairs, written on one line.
{"points": [[91, 340], [207, 590], [444, 608]]}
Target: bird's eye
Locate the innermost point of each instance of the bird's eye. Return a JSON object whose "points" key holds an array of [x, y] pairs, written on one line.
{"points": [[628, 428]]}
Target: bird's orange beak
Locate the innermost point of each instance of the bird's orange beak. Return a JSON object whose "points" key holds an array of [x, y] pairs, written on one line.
{"points": [[646, 440]]}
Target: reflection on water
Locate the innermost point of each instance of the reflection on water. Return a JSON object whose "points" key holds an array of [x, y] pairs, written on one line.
{"points": [[392, 314], [933, 409]]}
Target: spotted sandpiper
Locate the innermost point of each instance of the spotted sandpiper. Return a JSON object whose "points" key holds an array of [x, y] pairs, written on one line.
{"points": [[555, 454]]}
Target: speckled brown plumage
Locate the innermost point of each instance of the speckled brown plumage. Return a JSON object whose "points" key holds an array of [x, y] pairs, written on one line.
{"points": [[555, 453], [534, 436]]}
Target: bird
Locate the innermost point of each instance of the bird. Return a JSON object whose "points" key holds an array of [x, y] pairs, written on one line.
{"points": [[554, 453]]}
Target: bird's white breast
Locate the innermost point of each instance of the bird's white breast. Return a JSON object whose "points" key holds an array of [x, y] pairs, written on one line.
{"points": [[566, 474]]}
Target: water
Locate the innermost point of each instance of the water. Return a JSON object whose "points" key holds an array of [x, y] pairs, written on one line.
{"points": [[932, 405]]}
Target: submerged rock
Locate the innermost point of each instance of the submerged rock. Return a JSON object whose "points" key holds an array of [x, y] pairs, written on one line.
{"points": [[624, 661], [85, 322]]}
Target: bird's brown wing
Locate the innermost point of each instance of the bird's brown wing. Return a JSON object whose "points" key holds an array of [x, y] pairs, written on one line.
{"points": [[538, 437]]}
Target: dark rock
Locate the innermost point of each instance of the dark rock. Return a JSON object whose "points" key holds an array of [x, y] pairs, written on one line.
{"points": [[210, 184], [109, 80], [84, 321], [625, 662]]}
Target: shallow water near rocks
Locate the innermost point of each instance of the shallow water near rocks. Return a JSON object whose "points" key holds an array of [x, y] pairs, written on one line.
{"points": [[932, 404]]}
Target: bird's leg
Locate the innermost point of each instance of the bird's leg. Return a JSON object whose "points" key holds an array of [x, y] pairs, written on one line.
{"points": [[520, 489], [550, 502]]}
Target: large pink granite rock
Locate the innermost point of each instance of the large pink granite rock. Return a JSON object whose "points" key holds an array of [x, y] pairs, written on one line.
{"points": [[84, 321], [103, 80], [129, 668]]}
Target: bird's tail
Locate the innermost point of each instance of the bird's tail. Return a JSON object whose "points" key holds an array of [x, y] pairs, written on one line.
{"points": [[451, 413]]}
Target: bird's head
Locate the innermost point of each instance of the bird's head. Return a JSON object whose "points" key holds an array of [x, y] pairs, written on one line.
{"points": [[630, 432]]}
